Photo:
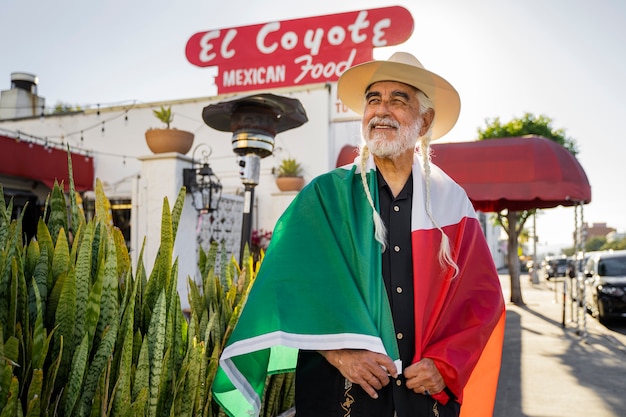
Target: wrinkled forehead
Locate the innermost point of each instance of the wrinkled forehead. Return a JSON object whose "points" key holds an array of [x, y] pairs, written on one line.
{"points": [[395, 85]]}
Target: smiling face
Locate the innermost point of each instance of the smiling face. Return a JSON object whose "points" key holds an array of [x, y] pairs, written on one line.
{"points": [[392, 122]]}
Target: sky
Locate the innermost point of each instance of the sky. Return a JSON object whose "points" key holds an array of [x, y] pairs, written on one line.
{"points": [[563, 59]]}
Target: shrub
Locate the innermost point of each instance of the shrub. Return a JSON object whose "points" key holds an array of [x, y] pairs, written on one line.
{"points": [[82, 335]]}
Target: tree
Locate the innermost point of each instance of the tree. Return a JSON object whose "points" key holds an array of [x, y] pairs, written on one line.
{"points": [[615, 245], [599, 243], [513, 221], [527, 125], [595, 243]]}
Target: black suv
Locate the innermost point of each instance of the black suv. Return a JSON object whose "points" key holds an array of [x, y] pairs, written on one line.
{"points": [[606, 285]]}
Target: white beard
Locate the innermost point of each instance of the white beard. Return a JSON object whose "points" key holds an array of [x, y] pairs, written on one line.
{"points": [[379, 145]]}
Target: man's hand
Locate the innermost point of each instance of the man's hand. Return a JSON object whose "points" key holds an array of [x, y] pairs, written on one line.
{"points": [[423, 377], [368, 369]]}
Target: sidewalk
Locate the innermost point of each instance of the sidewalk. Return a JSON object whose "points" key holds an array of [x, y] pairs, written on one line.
{"points": [[553, 371]]}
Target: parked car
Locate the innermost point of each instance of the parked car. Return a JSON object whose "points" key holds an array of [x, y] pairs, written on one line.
{"points": [[555, 267], [606, 285]]}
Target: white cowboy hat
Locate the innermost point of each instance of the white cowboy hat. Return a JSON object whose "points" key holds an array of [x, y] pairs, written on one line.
{"points": [[405, 68]]}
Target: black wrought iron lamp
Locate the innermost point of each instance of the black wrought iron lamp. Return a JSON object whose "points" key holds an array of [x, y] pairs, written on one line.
{"points": [[200, 180]]}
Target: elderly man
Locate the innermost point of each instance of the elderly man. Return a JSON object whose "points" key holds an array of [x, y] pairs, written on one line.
{"points": [[378, 284]]}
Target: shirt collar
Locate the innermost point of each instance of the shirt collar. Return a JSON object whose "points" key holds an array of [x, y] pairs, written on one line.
{"points": [[407, 190]]}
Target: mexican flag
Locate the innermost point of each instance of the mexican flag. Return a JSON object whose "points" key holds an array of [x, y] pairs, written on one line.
{"points": [[320, 287]]}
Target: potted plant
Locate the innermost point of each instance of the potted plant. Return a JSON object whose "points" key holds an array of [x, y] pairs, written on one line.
{"points": [[168, 139], [289, 177]]}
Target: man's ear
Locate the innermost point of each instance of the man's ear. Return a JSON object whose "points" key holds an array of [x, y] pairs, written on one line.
{"points": [[427, 117]]}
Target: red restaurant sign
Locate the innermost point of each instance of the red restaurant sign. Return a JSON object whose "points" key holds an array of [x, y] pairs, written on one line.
{"points": [[296, 52]]}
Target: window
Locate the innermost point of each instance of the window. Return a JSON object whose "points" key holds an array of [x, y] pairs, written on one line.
{"points": [[612, 267]]}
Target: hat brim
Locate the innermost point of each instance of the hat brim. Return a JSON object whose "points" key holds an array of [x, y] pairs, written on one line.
{"points": [[446, 102]]}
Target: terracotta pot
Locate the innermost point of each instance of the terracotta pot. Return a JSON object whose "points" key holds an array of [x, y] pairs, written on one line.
{"points": [[290, 183], [169, 140]]}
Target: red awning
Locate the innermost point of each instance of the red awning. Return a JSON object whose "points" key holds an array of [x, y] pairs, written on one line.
{"points": [[23, 159], [519, 173]]}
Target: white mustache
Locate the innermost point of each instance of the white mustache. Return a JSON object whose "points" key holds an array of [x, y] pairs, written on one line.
{"points": [[382, 121]]}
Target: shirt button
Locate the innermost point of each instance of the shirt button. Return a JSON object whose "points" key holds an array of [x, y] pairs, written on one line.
{"points": [[398, 382], [396, 208], [399, 336], [396, 248], [399, 290]]}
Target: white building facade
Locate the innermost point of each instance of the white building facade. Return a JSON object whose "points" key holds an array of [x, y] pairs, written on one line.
{"points": [[136, 180]]}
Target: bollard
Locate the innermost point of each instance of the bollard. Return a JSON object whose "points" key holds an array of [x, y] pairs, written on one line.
{"points": [[564, 300]]}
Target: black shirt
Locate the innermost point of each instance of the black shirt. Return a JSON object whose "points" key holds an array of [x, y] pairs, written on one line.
{"points": [[398, 264]]}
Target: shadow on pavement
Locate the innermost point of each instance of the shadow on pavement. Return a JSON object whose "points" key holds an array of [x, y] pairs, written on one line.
{"points": [[599, 364]]}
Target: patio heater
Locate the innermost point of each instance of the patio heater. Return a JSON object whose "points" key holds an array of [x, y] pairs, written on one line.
{"points": [[254, 122]]}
